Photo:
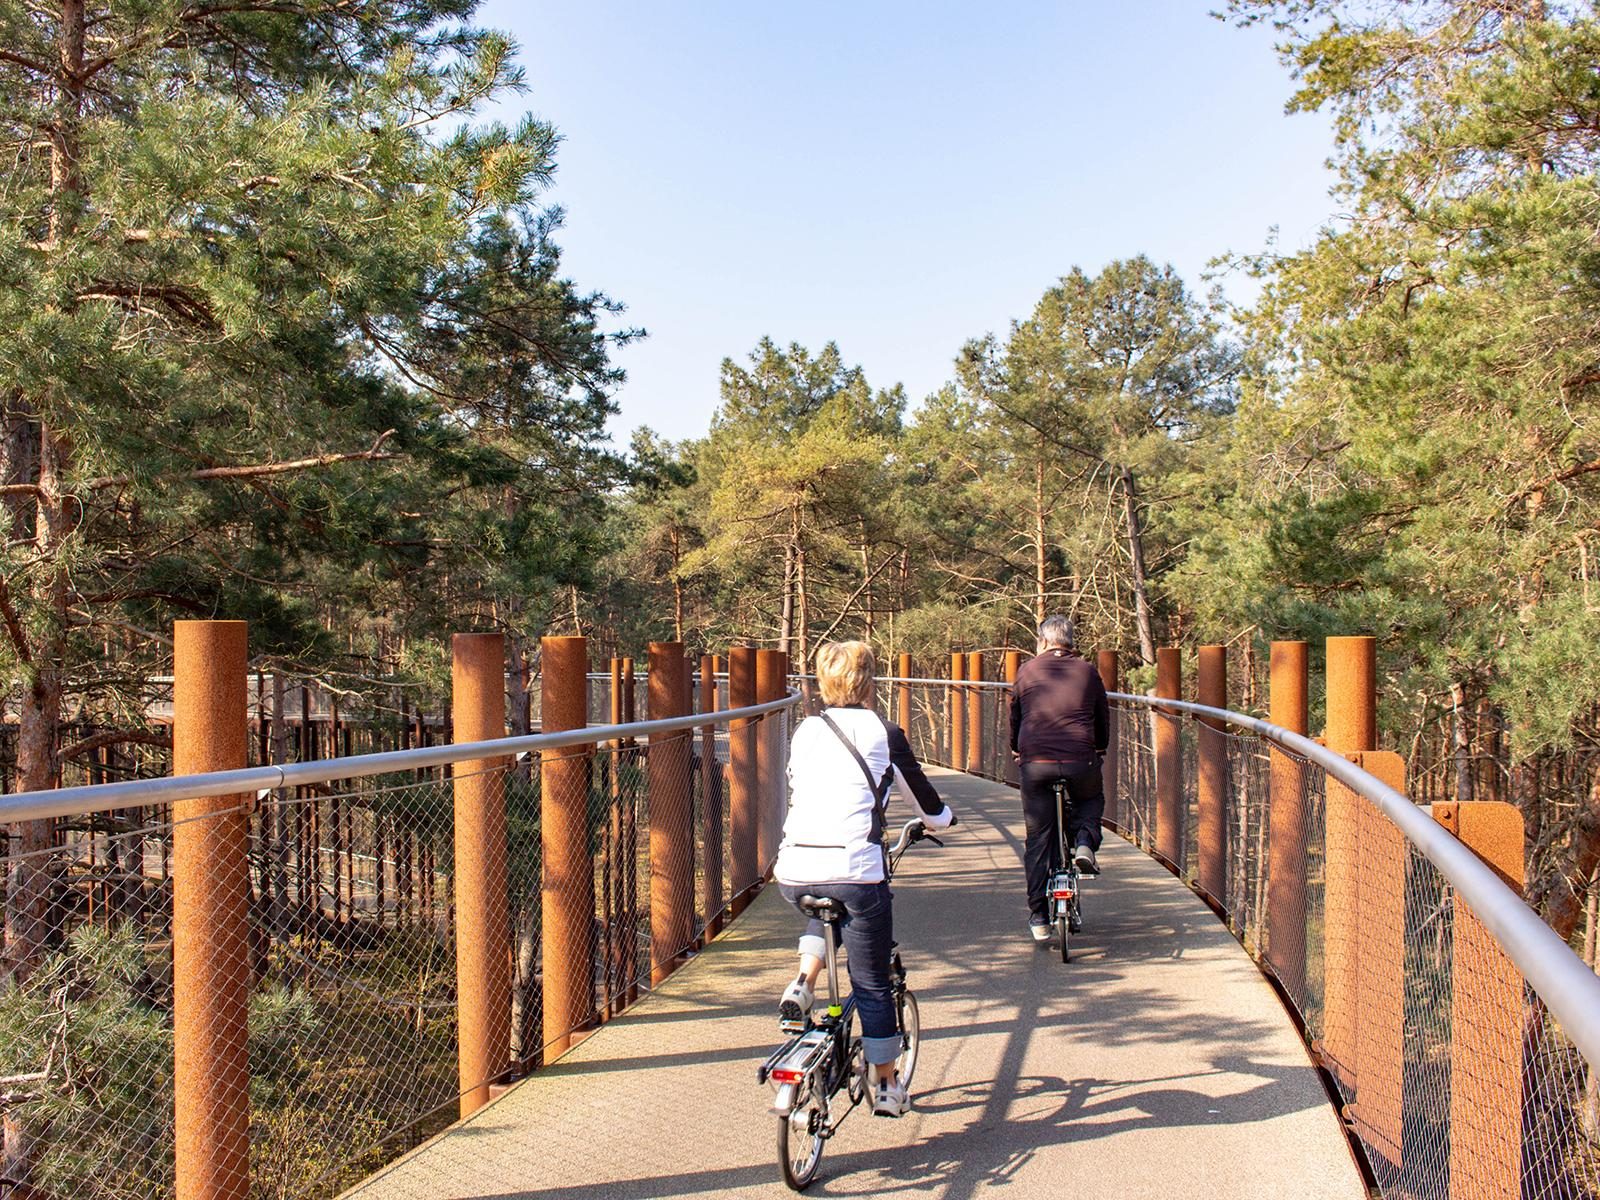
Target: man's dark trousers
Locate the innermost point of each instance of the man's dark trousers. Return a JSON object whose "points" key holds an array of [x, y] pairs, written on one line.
{"points": [[1086, 804]]}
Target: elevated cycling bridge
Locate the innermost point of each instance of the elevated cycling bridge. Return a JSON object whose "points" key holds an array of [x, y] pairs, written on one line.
{"points": [[547, 965], [1158, 1062]]}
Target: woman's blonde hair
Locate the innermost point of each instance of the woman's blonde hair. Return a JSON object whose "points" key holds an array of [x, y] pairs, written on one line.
{"points": [[845, 672]]}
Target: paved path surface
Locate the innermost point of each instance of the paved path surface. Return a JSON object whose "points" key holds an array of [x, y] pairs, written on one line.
{"points": [[1157, 1063]]}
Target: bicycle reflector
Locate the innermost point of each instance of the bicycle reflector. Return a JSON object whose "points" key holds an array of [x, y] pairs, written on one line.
{"points": [[1062, 894], [786, 1075]]}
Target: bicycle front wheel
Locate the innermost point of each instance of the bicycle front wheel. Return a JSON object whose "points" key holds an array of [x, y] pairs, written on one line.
{"points": [[910, 1038], [800, 1140]]}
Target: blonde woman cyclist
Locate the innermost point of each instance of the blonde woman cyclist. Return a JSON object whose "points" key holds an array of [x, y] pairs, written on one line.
{"points": [[842, 764]]}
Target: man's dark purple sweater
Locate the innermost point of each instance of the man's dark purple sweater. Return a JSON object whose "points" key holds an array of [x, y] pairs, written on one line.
{"points": [[1058, 709]]}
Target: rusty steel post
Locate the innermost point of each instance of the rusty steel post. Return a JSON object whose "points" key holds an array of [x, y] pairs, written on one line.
{"points": [[711, 803], [1486, 1018], [1212, 757], [671, 815], [744, 777], [1287, 852], [483, 947], [770, 680], [1169, 760], [616, 691], [1106, 661], [1352, 728], [975, 714], [210, 915], [629, 695], [958, 710], [567, 891], [1013, 665], [1380, 965], [903, 697]]}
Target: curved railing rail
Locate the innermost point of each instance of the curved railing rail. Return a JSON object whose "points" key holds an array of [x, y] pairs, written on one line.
{"points": [[1460, 1034], [626, 846]]}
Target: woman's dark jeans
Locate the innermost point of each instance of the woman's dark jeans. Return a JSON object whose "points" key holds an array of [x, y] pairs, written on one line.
{"points": [[867, 931]]}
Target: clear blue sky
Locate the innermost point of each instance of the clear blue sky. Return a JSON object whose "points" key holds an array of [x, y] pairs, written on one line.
{"points": [[894, 176]]}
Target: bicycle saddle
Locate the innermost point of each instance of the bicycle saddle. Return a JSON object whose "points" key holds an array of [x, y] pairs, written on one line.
{"points": [[823, 908]]}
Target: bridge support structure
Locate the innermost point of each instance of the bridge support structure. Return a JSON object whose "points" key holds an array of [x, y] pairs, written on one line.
{"points": [[1287, 834], [975, 713], [957, 708], [567, 873], [1169, 759], [1106, 663], [210, 916], [772, 671], [483, 958], [1211, 687], [744, 776], [711, 801], [671, 814]]}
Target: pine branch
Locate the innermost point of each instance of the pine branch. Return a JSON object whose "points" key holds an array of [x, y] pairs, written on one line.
{"points": [[256, 470], [90, 744], [19, 640]]}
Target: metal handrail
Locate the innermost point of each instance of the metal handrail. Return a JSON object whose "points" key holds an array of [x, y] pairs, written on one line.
{"points": [[133, 793], [1562, 980], [1566, 984]]}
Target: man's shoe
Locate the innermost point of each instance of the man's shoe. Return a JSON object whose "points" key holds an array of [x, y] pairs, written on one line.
{"points": [[795, 1008], [890, 1099], [1083, 856], [1040, 928]]}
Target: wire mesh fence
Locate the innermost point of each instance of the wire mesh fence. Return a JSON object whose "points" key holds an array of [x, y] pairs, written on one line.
{"points": [[619, 859], [1450, 1070]]}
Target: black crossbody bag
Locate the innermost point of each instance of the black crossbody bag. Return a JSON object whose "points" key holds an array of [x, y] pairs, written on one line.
{"points": [[879, 788]]}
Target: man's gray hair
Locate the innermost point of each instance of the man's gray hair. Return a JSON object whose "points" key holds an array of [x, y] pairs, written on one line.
{"points": [[1056, 633]]}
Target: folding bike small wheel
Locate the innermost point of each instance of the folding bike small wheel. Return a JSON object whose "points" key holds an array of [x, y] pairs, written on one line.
{"points": [[910, 1038], [800, 1137]]}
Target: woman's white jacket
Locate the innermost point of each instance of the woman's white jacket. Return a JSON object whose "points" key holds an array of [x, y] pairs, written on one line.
{"points": [[834, 831]]}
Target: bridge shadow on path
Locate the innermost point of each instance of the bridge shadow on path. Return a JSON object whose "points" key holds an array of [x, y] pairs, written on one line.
{"points": [[1157, 1063]]}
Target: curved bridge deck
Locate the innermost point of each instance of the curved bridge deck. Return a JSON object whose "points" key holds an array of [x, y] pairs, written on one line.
{"points": [[1158, 1063]]}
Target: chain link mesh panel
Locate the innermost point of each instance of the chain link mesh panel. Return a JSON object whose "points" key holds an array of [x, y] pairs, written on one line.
{"points": [[1454, 1077], [350, 964]]}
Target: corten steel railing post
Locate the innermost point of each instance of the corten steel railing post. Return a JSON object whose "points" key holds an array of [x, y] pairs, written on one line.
{"points": [[567, 886], [711, 800], [1351, 728], [771, 675], [1013, 665], [1169, 760], [1211, 686], [903, 701], [210, 916], [744, 776], [1106, 661], [958, 710], [1486, 1018], [671, 815], [1287, 834], [1364, 909], [482, 934], [975, 714]]}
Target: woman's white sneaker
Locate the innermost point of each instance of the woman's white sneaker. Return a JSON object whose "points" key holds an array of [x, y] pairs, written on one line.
{"points": [[794, 1010], [890, 1099]]}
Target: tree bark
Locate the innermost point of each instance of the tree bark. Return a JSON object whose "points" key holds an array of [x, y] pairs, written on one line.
{"points": [[1039, 579], [1462, 738], [786, 622], [1141, 594]]}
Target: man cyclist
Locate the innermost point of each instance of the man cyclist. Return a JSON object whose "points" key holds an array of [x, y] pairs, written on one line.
{"points": [[1060, 727]]}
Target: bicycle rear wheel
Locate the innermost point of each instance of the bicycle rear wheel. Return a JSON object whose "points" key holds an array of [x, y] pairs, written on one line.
{"points": [[1063, 931], [800, 1140], [910, 1038]]}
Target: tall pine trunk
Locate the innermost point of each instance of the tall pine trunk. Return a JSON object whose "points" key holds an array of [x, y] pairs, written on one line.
{"points": [[1141, 594]]}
